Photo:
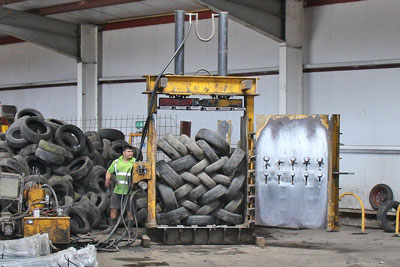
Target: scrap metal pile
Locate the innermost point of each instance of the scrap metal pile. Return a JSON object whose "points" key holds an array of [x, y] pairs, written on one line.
{"points": [[73, 163], [203, 183]]}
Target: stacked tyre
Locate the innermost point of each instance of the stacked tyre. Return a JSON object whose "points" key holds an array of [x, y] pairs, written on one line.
{"points": [[73, 163], [203, 183]]}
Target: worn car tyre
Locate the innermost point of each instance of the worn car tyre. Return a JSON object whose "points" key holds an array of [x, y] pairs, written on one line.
{"points": [[62, 133], [191, 178], [35, 129], [168, 150], [141, 203], [183, 164], [208, 151], [189, 205], [173, 216], [52, 148], [59, 170], [200, 220], [28, 150], [10, 165], [228, 217], [235, 203], [14, 137], [167, 197], [4, 147], [176, 144], [199, 167], [116, 150], [141, 215], [207, 209], [102, 201], [222, 179], [214, 167], [22, 162], [38, 166], [233, 162], [89, 149], [106, 148], [213, 194], [30, 112], [54, 124], [111, 134], [169, 175], [80, 167], [235, 187], [49, 157], [381, 215], [206, 180], [93, 136], [96, 179], [213, 139], [78, 221], [197, 192], [379, 194], [192, 146], [182, 191]]}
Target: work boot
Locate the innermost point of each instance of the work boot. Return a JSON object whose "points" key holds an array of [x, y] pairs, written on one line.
{"points": [[111, 226]]}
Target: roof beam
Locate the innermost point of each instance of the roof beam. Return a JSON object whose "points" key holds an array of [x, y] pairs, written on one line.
{"points": [[79, 5], [266, 17], [54, 34]]}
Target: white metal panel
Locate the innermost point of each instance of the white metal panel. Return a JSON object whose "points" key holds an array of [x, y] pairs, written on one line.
{"points": [[363, 30], [52, 102], [27, 63]]}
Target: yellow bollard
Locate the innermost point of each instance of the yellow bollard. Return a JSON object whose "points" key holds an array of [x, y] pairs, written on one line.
{"points": [[362, 209], [397, 220]]}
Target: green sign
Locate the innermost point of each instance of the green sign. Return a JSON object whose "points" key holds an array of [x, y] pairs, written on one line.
{"points": [[139, 124]]}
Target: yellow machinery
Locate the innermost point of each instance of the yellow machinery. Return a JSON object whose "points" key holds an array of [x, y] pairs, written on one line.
{"points": [[221, 88], [7, 114]]}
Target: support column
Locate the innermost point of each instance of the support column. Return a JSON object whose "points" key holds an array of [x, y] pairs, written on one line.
{"points": [[87, 88], [291, 60]]}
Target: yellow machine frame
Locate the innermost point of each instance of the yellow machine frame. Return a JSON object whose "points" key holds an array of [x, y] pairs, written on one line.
{"points": [[179, 85]]}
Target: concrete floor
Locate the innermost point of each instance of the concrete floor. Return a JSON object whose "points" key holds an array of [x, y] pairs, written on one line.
{"points": [[283, 248]]}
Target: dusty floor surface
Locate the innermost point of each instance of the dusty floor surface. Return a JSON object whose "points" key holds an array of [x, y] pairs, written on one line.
{"points": [[283, 248]]}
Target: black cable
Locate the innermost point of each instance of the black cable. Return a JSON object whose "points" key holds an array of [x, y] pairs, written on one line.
{"points": [[153, 92]]}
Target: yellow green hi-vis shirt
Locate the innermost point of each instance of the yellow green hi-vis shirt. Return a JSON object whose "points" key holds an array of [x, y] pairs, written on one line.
{"points": [[122, 172]]}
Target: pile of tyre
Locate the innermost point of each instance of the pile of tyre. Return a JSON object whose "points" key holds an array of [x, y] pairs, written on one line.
{"points": [[203, 183], [73, 163]]}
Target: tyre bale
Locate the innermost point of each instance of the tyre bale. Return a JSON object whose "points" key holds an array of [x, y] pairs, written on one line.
{"points": [[213, 139], [183, 164], [235, 187], [206, 180], [38, 166], [22, 162], [222, 179], [208, 151], [168, 150], [167, 197], [182, 191], [199, 220], [28, 150], [111, 134], [207, 209], [49, 157], [379, 194], [175, 143], [228, 217], [169, 175], [213, 194], [199, 167], [192, 146], [189, 205], [197, 192], [80, 167], [29, 112], [235, 203], [78, 221], [216, 166], [14, 137], [35, 129], [74, 132], [382, 215], [233, 162], [191, 178], [52, 148], [173, 216]]}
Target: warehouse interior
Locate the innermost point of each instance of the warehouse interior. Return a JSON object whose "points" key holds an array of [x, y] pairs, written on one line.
{"points": [[323, 66]]}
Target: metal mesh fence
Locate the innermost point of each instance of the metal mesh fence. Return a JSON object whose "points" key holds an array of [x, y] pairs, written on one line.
{"points": [[130, 125]]}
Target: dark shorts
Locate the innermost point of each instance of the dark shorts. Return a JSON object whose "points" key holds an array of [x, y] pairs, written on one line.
{"points": [[115, 202]]}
